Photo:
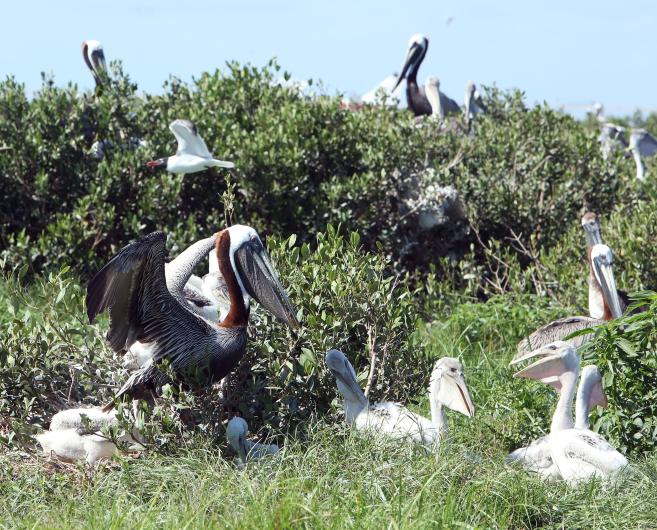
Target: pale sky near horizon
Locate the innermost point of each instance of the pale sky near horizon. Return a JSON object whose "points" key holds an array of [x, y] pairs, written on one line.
{"points": [[563, 52]]}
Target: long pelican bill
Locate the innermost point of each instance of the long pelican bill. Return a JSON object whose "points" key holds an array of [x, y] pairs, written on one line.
{"points": [[546, 369], [411, 57], [454, 395], [261, 281], [602, 268]]}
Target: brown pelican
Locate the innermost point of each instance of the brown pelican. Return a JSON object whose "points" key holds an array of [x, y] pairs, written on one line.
{"points": [[441, 105], [601, 262], [536, 457], [447, 388], [208, 296], [145, 307], [642, 144], [93, 54], [578, 453], [247, 450], [192, 154], [415, 96]]}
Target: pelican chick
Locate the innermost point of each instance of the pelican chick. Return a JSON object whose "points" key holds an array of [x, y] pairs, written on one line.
{"points": [[578, 453], [70, 446], [447, 388], [192, 154], [247, 450]]}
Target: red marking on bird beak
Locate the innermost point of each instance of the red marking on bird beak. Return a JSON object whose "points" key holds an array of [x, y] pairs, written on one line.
{"points": [[153, 163]]}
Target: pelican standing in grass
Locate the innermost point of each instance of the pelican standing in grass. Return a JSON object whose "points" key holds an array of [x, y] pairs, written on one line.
{"points": [[145, 307], [536, 457], [577, 453], [192, 154], [247, 450], [447, 388], [601, 260], [642, 144]]}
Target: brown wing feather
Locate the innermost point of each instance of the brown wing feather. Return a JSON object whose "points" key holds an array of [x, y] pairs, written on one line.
{"points": [[557, 330], [120, 285]]}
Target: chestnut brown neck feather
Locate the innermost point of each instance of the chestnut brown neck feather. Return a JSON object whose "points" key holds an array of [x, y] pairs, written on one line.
{"points": [[238, 314]]}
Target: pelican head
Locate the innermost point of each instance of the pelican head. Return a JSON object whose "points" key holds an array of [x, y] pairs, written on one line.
{"points": [[556, 359], [470, 89], [94, 57], [601, 263], [447, 386], [345, 377], [591, 225], [236, 432], [417, 49], [432, 90], [592, 385], [254, 271]]}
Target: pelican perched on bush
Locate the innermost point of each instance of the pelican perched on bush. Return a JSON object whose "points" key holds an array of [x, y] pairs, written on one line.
{"points": [[601, 260], [642, 144], [536, 457], [247, 450], [441, 105], [416, 96], [94, 57], [447, 388], [145, 307], [472, 103], [192, 154], [577, 452]]}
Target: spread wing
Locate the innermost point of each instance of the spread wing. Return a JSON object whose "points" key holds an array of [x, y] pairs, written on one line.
{"points": [[189, 141], [557, 330], [123, 285]]}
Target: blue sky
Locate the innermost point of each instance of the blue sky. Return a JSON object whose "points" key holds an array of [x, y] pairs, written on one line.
{"points": [[565, 52]]}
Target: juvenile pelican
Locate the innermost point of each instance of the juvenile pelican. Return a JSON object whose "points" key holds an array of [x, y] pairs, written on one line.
{"points": [[578, 453], [441, 105], [192, 154], [536, 457], [247, 450], [447, 388], [69, 446], [71, 438], [473, 103], [601, 263], [145, 307], [642, 144], [94, 57]]}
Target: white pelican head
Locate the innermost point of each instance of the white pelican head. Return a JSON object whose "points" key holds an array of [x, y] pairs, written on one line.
{"points": [[447, 386]]}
